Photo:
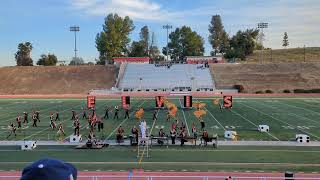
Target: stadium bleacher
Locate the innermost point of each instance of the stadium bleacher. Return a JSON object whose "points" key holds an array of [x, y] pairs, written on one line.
{"points": [[177, 77]]}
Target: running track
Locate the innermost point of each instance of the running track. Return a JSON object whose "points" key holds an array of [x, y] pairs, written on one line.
{"points": [[127, 175]]}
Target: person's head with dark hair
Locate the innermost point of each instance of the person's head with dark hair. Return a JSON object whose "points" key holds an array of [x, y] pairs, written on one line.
{"points": [[49, 169]]}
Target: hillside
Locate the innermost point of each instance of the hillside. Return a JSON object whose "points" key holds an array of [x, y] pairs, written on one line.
{"points": [[56, 79], [276, 77], [309, 54]]}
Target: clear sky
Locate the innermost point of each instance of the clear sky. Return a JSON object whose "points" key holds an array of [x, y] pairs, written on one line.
{"points": [[46, 23]]}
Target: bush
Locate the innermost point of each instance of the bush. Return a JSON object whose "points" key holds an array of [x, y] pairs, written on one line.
{"points": [[259, 92], [306, 91], [299, 91], [286, 91], [240, 88], [315, 90], [269, 91]]}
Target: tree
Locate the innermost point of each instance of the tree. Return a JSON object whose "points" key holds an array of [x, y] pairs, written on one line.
{"points": [[285, 41], [141, 48], [76, 61], [23, 55], [137, 49], [242, 44], [47, 60], [218, 37], [184, 42], [144, 39], [114, 39]]}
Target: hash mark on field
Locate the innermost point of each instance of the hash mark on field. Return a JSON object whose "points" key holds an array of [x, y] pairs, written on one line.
{"points": [[279, 120], [300, 108], [184, 117], [215, 118], [304, 118], [254, 124]]}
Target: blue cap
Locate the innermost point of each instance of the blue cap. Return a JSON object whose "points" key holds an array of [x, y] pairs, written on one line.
{"points": [[49, 169]]}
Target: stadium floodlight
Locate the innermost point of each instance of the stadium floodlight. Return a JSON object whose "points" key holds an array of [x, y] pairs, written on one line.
{"points": [[262, 25], [167, 27], [75, 29]]}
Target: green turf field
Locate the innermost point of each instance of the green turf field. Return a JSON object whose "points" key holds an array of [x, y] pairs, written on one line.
{"points": [[176, 158], [285, 116]]}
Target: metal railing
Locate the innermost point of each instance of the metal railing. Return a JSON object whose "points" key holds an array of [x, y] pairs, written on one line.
{"points": [[177, 178]]}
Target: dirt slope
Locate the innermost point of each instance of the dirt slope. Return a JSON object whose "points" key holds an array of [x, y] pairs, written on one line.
{"points": [[56, 79], [308, 55], [276, 77]]}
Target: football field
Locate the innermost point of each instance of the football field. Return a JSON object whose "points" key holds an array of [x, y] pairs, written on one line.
{"points": [[285, 116]]}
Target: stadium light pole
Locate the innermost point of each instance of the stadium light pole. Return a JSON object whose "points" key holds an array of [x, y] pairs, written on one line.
{"points": [[167, 27], [75, 29], [262, 25]]}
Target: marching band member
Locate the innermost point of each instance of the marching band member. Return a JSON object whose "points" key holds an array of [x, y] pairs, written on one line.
{"points": [[116, 112], [126, 112], [194, 130], [155, 112], [168, 116], [12, 130], [173, 134], [84, 113], [38, 115], [51, 116], [53, 124], [120, 134], [25, 119], [35, 119], [135, 133], [76, 125], [61, 130], [106, 115], [100, 124], [205, 137], [161, 134], [57, 116], [182, 135], [18, 119], [73, 117], [202, 124]]}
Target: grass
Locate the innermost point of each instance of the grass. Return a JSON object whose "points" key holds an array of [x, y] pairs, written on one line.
{"points": [[174, 158], [285, 116], [309, 54]]}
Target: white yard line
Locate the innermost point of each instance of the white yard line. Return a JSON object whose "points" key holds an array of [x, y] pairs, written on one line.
{"points": [[280, 120], [122, 122], [184, 117], [255, 125], [300, 108], [215, 119], [214, 116], [292, 114], [304, 118], [154, 122], [29, 117]]}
